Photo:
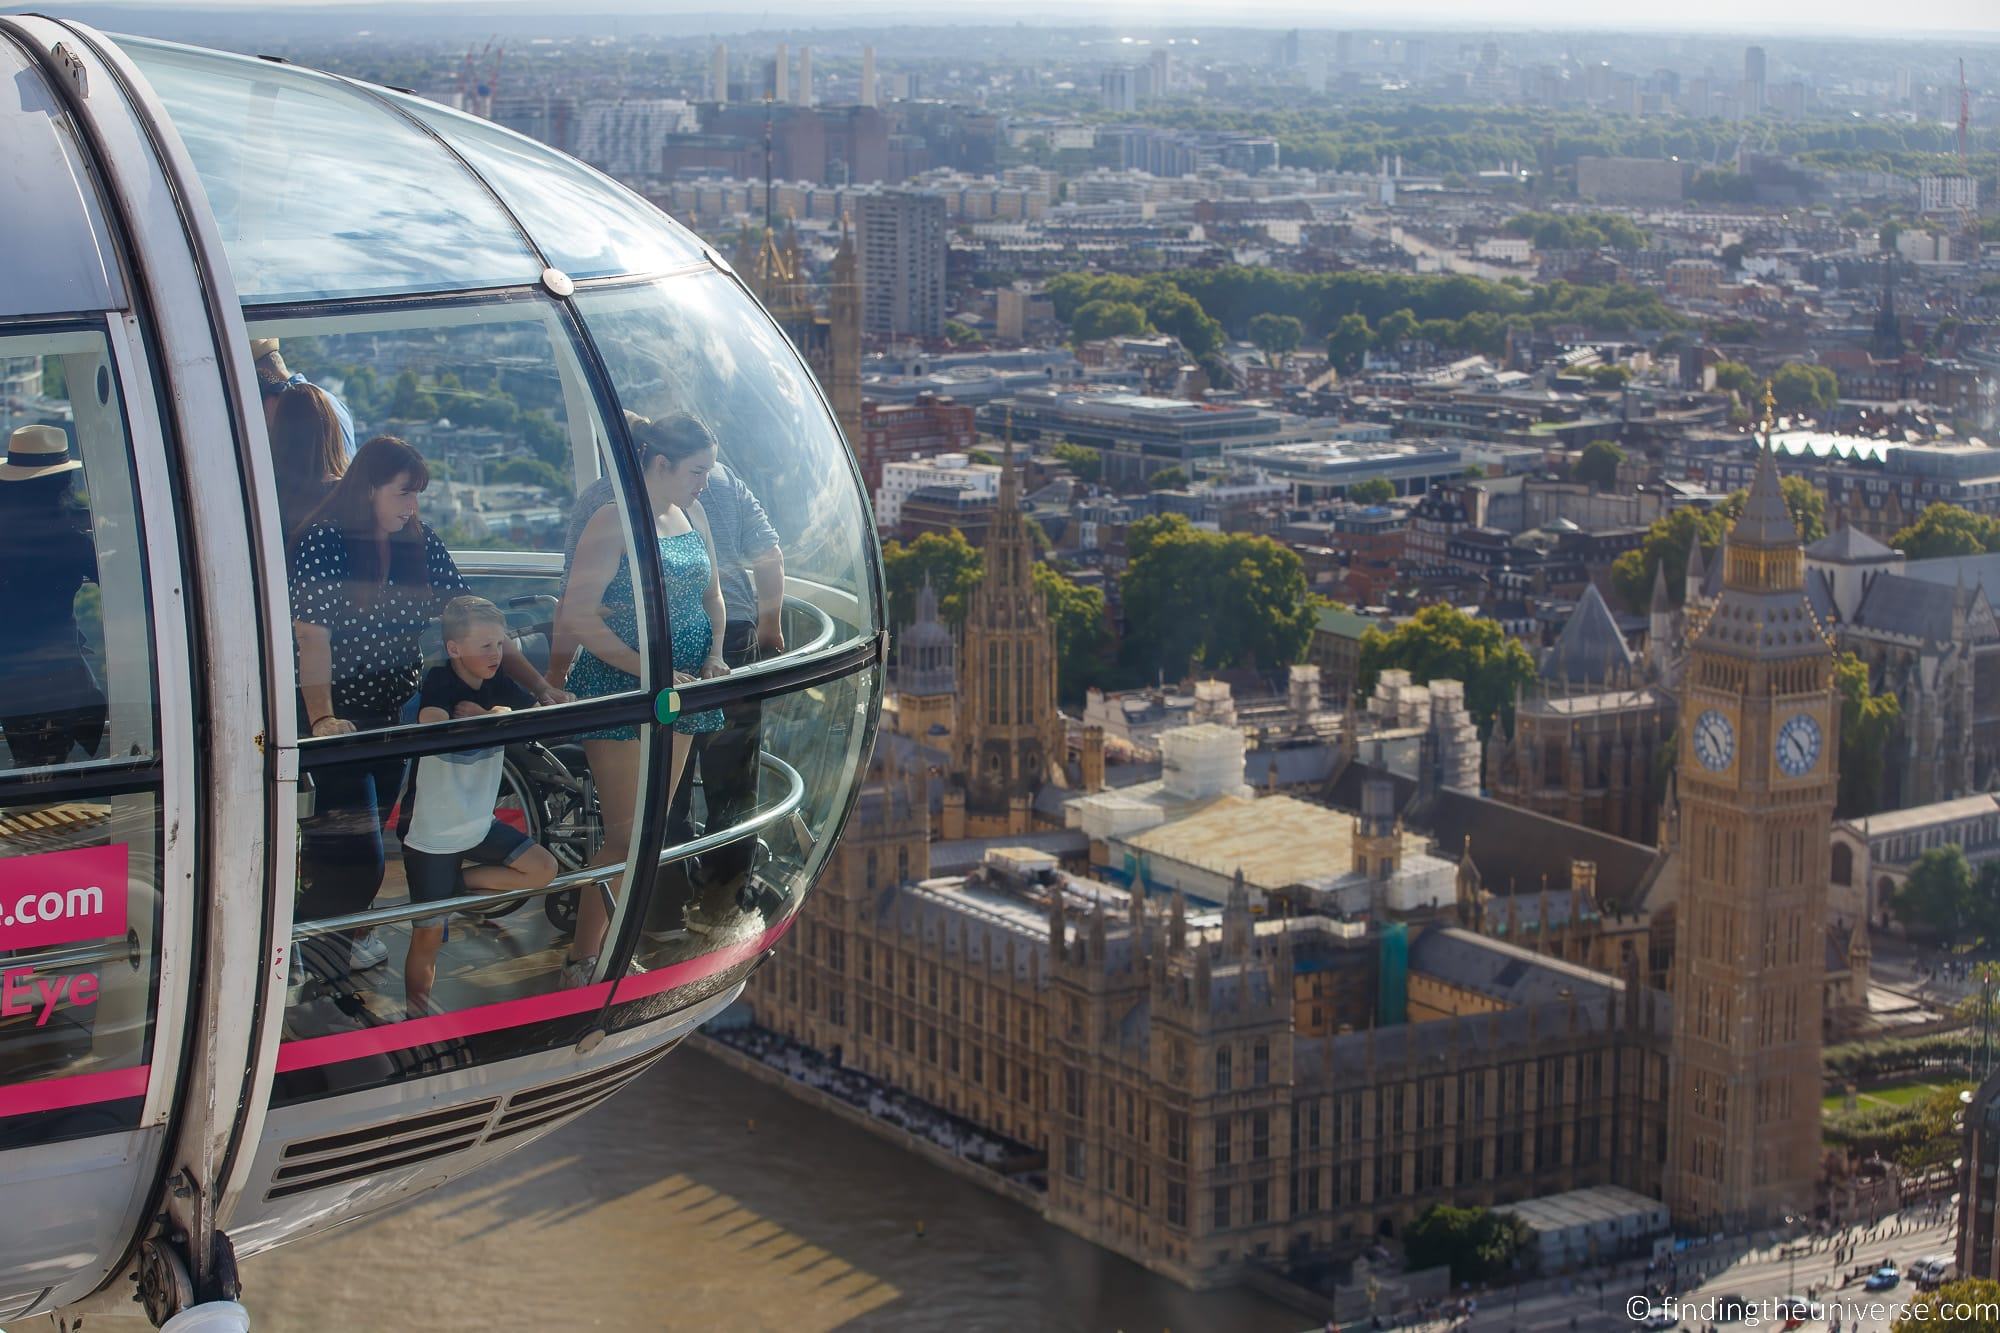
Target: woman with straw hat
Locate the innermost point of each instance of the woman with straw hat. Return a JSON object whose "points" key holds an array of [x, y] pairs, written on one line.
{"points": [[53, 704]]}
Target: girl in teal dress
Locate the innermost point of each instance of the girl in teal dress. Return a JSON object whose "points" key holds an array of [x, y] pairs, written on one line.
{"points": [[598, 613]]}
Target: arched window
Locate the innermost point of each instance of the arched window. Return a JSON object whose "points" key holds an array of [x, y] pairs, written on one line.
{"points": [[1843, 863]]}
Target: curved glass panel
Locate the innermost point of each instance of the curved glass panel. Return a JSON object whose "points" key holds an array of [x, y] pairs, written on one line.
{"points": [[320, 191], [80, 885], [585, 224], [697, 345], [58, 252], [736, 897]]}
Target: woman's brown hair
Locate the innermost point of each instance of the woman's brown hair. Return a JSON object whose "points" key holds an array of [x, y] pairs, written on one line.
{"points": [[350, 508], [308, 450]]}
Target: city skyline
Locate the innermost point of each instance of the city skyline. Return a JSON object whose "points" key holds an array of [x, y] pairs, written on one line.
{"points": [[1834, 19]]}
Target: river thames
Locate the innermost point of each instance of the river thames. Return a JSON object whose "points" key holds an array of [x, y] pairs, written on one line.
{"points": [[701, 1197]]}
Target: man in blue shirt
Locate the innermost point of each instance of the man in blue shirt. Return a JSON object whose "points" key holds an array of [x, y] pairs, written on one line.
{"points": [[274, 377]]}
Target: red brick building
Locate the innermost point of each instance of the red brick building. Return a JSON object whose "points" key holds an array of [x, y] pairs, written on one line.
{"points": [[892, 432]]}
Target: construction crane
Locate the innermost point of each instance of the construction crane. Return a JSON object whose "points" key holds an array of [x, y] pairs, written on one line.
{"points": [[476, 93]]}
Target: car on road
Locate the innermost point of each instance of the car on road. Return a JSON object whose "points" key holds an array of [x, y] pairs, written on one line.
{"points": [[1658, 1318], [1882, 1279]]}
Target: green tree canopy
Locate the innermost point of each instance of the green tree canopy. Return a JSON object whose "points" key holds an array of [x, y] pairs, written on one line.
{"points": [[1347, 346], [1444, 643], [1974, 1298], [1937, 897], [1667, 540], [1374, 491], [1945, 529], [1208, 599], [1477, 1244], [1167, 479], [1277, 335], [1737, 378], [530, 471], [952, 564], [409, 402], [1577, 231], [1108, 319], [1599, 464], [1866, 721], [1083, 639], [1798, 388], [1087, 463], [1610, 377]]}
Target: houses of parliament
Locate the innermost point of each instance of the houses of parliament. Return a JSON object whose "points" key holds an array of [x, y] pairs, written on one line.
{"points": [[1471, 1001]]}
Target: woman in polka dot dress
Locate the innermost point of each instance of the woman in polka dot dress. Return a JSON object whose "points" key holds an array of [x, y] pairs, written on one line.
{"points": [[367, 577], [598, 611]]}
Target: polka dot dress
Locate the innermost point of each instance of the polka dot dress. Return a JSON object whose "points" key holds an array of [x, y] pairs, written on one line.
{"points": [[375, 628]]}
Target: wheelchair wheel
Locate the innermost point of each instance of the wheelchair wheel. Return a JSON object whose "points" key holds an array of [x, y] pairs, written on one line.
{"points": [[518, 806]]}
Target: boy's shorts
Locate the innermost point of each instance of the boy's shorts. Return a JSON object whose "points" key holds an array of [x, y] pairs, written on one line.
{"points": [[434, 876]]}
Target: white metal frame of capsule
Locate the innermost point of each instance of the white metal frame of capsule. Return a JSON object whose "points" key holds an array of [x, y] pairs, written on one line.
{"points": [[201, 1161]]}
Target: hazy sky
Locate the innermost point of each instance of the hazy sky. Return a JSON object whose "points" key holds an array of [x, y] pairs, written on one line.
{"points": [[1777, 17]]}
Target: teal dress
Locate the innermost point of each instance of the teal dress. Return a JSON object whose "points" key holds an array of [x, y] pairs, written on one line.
{"points": [[684, 562]]}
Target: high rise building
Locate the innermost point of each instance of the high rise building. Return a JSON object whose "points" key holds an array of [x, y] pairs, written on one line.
{"points": [[901, 238], [1754, 80], [1757, 777], [1010, 734], [1118, 88], [718, 74], [868, 90]]}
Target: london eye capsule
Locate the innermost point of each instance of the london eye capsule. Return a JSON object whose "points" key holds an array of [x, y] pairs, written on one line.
{"points": [[440, 633]]}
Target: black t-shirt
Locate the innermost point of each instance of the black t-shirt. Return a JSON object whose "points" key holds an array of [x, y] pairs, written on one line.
{"points": [[445, 688], [452, 807]]}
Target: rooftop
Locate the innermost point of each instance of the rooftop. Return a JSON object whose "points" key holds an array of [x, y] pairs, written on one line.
{"points": [[1274, 840]]}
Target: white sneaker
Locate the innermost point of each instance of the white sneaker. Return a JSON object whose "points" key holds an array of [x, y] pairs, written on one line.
{"points": [[369, 951]]}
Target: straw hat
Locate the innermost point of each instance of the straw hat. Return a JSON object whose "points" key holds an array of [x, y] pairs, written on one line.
{"points": [[37, 451], [262, 347]]}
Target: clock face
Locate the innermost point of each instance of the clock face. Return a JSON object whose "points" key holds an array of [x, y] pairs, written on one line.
{"points": [[1714, 741], [1798, 745]]}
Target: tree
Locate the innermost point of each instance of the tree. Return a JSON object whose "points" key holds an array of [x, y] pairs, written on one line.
{"points": [[1974, 1300], [1806, 504], [1866, 721], [1666, 544], [1167, 479], [1208, 599], [1945, 529], [1444, 643], [1937, 897], [1108, 319], [1610, 377], [1599, 464], [1374, 491], [1477, 1244], [1737, 378], [1278, 335], [951, 563], [1395, 326], [1347, 346], [409, 402], [527, 471], [962, 335], [1800, 389], [1887, 235], [1087, 463], [1082, 637]]}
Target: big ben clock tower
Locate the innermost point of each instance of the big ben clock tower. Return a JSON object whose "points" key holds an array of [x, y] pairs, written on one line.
{"points": [[1758, 774]]}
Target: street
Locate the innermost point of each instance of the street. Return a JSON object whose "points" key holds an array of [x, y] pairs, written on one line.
{"points": [[1760, 1274]]}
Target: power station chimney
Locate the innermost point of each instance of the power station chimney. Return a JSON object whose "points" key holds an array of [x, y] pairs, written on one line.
{"points": [[868, 76]]}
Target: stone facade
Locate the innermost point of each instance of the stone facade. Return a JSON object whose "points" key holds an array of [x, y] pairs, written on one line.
{"points": [[1757, 777]]}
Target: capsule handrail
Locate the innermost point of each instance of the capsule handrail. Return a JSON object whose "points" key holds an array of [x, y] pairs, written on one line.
{"points": [[124, 950], [756, 823]]}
